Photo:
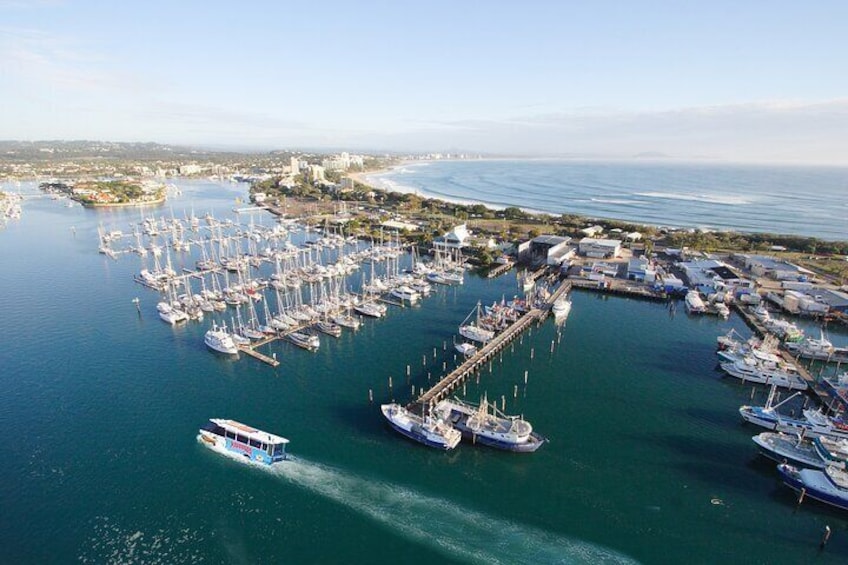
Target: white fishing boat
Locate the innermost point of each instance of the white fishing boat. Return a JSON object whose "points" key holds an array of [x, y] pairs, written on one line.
{"points": [[220, 340], [487, 425], [784, 448], [829, 486], [694, 303], [471, 329], [818, 349], [561, 308], [427, 429], [466, 349]]}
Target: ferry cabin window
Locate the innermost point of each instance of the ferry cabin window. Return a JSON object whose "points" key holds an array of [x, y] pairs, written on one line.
{"points": [[278, 450], [256, 443], [230, 435], [241, 439]]}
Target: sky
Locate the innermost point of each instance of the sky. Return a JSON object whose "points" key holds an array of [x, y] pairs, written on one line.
{"points": [[753, 80]]}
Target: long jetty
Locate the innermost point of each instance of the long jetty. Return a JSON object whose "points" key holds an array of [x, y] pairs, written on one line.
{"points": [[471, 365]]}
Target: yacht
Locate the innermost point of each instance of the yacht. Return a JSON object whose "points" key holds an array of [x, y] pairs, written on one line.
{"points": [[694, 303], [750, 370], [466, 349], [170, 314], [405, 294], [305, 340], [371, 309], [248, 444], [219, 339]]}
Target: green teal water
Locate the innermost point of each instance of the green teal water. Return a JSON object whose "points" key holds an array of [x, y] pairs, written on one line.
{"points": [[647, 462]]}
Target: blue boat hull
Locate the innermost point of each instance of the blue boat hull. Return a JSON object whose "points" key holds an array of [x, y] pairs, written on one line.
{"points": [[796, 484], [527, 447]]}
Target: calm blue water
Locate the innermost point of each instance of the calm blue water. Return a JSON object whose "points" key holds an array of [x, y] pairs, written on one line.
{"points": [[808, 201], [100, 407]]}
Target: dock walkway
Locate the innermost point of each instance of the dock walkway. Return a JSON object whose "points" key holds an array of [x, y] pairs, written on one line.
{"points": [[455, 378]]}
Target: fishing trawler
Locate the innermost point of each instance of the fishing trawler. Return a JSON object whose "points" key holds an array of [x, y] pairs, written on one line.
{"points": [[427, 429], [229, 437], [487, 425]]}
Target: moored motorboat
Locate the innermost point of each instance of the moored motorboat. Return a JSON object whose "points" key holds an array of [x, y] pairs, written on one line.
{"points": [[220, 340], [249, 444], [832, 451], [329, 328], [305, 340], [561, 308], [466, 349], [750, 370], [829, 485], [784, 448], [427, 429]]}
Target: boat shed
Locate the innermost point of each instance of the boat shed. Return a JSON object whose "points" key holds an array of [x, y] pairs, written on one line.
{"points": [[599, 248], [547, 249], [763, 266], [834, 300]]}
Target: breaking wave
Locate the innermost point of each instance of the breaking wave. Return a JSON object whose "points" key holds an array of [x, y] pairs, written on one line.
{"points": [[725, 199]]}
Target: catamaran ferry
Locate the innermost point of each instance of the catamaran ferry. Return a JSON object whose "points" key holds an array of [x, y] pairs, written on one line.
{"points": [[231, 437]]}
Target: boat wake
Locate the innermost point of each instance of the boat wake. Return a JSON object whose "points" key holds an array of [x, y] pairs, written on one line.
{"points": [[451, 529]]}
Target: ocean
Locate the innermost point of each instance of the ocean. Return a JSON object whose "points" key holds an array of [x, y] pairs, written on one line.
{"points": [[798, 200], [100, 404]]}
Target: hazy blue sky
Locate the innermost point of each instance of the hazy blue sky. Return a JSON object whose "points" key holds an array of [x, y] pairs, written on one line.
{"points": [[739, 80]]}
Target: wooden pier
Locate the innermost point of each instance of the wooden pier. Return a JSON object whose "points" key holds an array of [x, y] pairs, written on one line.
{"points": [[249, 350], [499, 270], [619, 287], [455, 378]]}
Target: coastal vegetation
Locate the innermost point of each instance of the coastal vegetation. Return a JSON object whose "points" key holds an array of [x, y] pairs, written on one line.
{"points": [[511, 225]]}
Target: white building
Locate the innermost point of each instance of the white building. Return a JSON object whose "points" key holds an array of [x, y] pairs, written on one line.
{"points": [[592, 231], [599, 248], [456, 238]]}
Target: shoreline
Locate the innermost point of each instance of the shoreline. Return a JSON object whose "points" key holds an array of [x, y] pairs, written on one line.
{"points": [[388, 185]]}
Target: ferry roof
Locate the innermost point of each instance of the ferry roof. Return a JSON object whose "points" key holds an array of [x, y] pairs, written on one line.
{"points": [[251, 433]]}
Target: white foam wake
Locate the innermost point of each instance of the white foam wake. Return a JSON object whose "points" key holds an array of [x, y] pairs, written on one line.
{"points": [[456, 531]]}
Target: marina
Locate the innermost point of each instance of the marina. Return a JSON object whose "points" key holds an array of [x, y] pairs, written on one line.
{"points": [[653, 380]]}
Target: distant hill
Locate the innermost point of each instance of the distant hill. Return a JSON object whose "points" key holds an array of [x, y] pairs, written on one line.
{"points": [[652, 155], [51, 150]]}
